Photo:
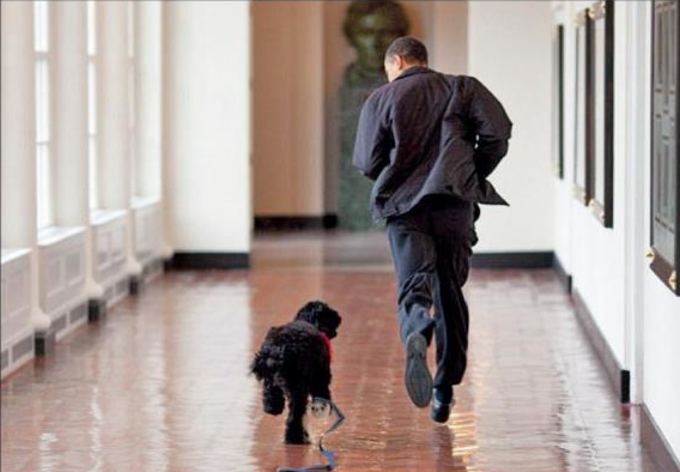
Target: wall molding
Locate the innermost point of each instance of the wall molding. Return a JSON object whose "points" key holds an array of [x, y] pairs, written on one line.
{"points": [[287, 223], [565, 278], [655, 444], [513, 260], [619, 378], [209, 261]]}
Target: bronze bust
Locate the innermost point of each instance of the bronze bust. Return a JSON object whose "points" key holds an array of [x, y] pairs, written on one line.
{"points": [[370, 27]]}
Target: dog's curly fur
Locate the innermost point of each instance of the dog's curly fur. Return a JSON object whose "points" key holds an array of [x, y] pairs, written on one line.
{"points": [[294, 363]]}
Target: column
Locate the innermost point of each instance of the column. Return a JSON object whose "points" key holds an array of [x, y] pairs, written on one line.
{"points": [[148, 63], [207, 138], [69, 81], [112, 117], [19, 180]]}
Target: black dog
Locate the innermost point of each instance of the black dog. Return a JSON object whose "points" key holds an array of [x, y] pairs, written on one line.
{"points": [[294, 362]]}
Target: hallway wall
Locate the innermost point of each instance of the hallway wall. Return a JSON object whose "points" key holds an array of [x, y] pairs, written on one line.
{"points": [[593, 254], [509, 51], [288, 131], [634, 311], [207, 125]]}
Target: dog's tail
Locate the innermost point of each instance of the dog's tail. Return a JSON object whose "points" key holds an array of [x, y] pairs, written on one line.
{"points": [[267, 360]]}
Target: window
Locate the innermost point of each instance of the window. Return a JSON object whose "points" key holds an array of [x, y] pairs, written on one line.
{"points": [[92, 154], [665, 174], [42, 108], [131, 96], [580, 154], [600, 116]]}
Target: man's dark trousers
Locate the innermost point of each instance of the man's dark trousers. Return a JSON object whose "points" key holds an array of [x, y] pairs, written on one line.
{"points": [[431, 249]]}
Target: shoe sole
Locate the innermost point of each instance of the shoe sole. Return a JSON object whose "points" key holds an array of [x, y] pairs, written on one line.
{"points": [[418, 379]]}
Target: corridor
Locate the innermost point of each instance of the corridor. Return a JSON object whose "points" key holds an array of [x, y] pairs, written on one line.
{"points": [[161, 384]]}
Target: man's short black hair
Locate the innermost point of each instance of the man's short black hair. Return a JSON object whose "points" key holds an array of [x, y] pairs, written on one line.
{"points": [[409, 49]]}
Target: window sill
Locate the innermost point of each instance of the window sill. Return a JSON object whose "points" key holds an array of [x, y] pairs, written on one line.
{"points": [[9, 255], [102, 217], [56, 234], [139, 203]]}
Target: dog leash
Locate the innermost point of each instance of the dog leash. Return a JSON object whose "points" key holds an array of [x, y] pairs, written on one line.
{"points": [[327, 453]]}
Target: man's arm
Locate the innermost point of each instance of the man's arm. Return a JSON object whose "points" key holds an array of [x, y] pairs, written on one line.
{"points": [[492, 126], [371, 148]]}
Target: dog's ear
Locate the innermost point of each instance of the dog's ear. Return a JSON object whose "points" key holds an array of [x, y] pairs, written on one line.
{"points": [[310, 312], [329, 320]]}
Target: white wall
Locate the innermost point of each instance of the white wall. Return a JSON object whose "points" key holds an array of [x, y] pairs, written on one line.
{"points": [[661, 320], [637, 314], [593, 254], [207, 125], [510, 51]]}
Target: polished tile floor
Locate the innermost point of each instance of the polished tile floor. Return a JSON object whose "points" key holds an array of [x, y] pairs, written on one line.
{"points": [[162, 385]]}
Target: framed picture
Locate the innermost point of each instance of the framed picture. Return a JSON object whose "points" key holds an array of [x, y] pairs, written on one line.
{"points": [[580, 175], [600, 111], [558, 101], [665, 171]]}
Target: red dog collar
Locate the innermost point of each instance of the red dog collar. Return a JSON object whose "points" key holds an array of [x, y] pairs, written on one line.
{"points": [[328, 344]]}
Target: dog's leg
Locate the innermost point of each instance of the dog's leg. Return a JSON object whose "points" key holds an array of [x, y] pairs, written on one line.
{"points": [[295, 430], [320, 385], [320, 388], [273, 400]]}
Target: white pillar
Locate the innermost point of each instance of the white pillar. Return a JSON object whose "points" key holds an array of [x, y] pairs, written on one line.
{"points": [[148, 63], [166, 126], [207, 125], [113, 119], [69, 84], [19, 179], [112, 106]]}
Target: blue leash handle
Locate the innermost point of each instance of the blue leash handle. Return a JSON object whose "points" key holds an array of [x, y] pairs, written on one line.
{"points": [[327, 453]]}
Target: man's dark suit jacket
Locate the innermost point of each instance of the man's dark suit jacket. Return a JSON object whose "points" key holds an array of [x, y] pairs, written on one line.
{"points": [[427, 133]]}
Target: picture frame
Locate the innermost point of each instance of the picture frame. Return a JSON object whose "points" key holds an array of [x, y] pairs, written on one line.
{"points": [[581, 188], [600, 112], [664, 253], [558, 101]]}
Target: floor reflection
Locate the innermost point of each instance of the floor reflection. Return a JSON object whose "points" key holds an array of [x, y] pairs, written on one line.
{"points": [[162, 384]]}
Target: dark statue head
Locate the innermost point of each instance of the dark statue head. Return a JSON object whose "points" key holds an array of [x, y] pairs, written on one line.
{"points": [[370, 27]]}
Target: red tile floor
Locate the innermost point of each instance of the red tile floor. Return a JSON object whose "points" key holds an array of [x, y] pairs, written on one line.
{"points": [[161, 384]]}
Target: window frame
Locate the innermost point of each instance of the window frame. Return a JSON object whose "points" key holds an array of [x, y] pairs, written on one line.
{"points": [[665, 269], [45, 57], [131, 31], [92, 100]]}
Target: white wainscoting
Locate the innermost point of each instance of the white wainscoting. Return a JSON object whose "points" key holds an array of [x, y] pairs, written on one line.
{"points": [[148, 223], [62, 278], [109, 249], [15, 310]]}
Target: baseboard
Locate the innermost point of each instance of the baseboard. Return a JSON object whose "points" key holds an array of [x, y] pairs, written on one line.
{"points": [[655, 443], [562, 275], [513, 260], [287, 223], [209, 261], [619, 378]]}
